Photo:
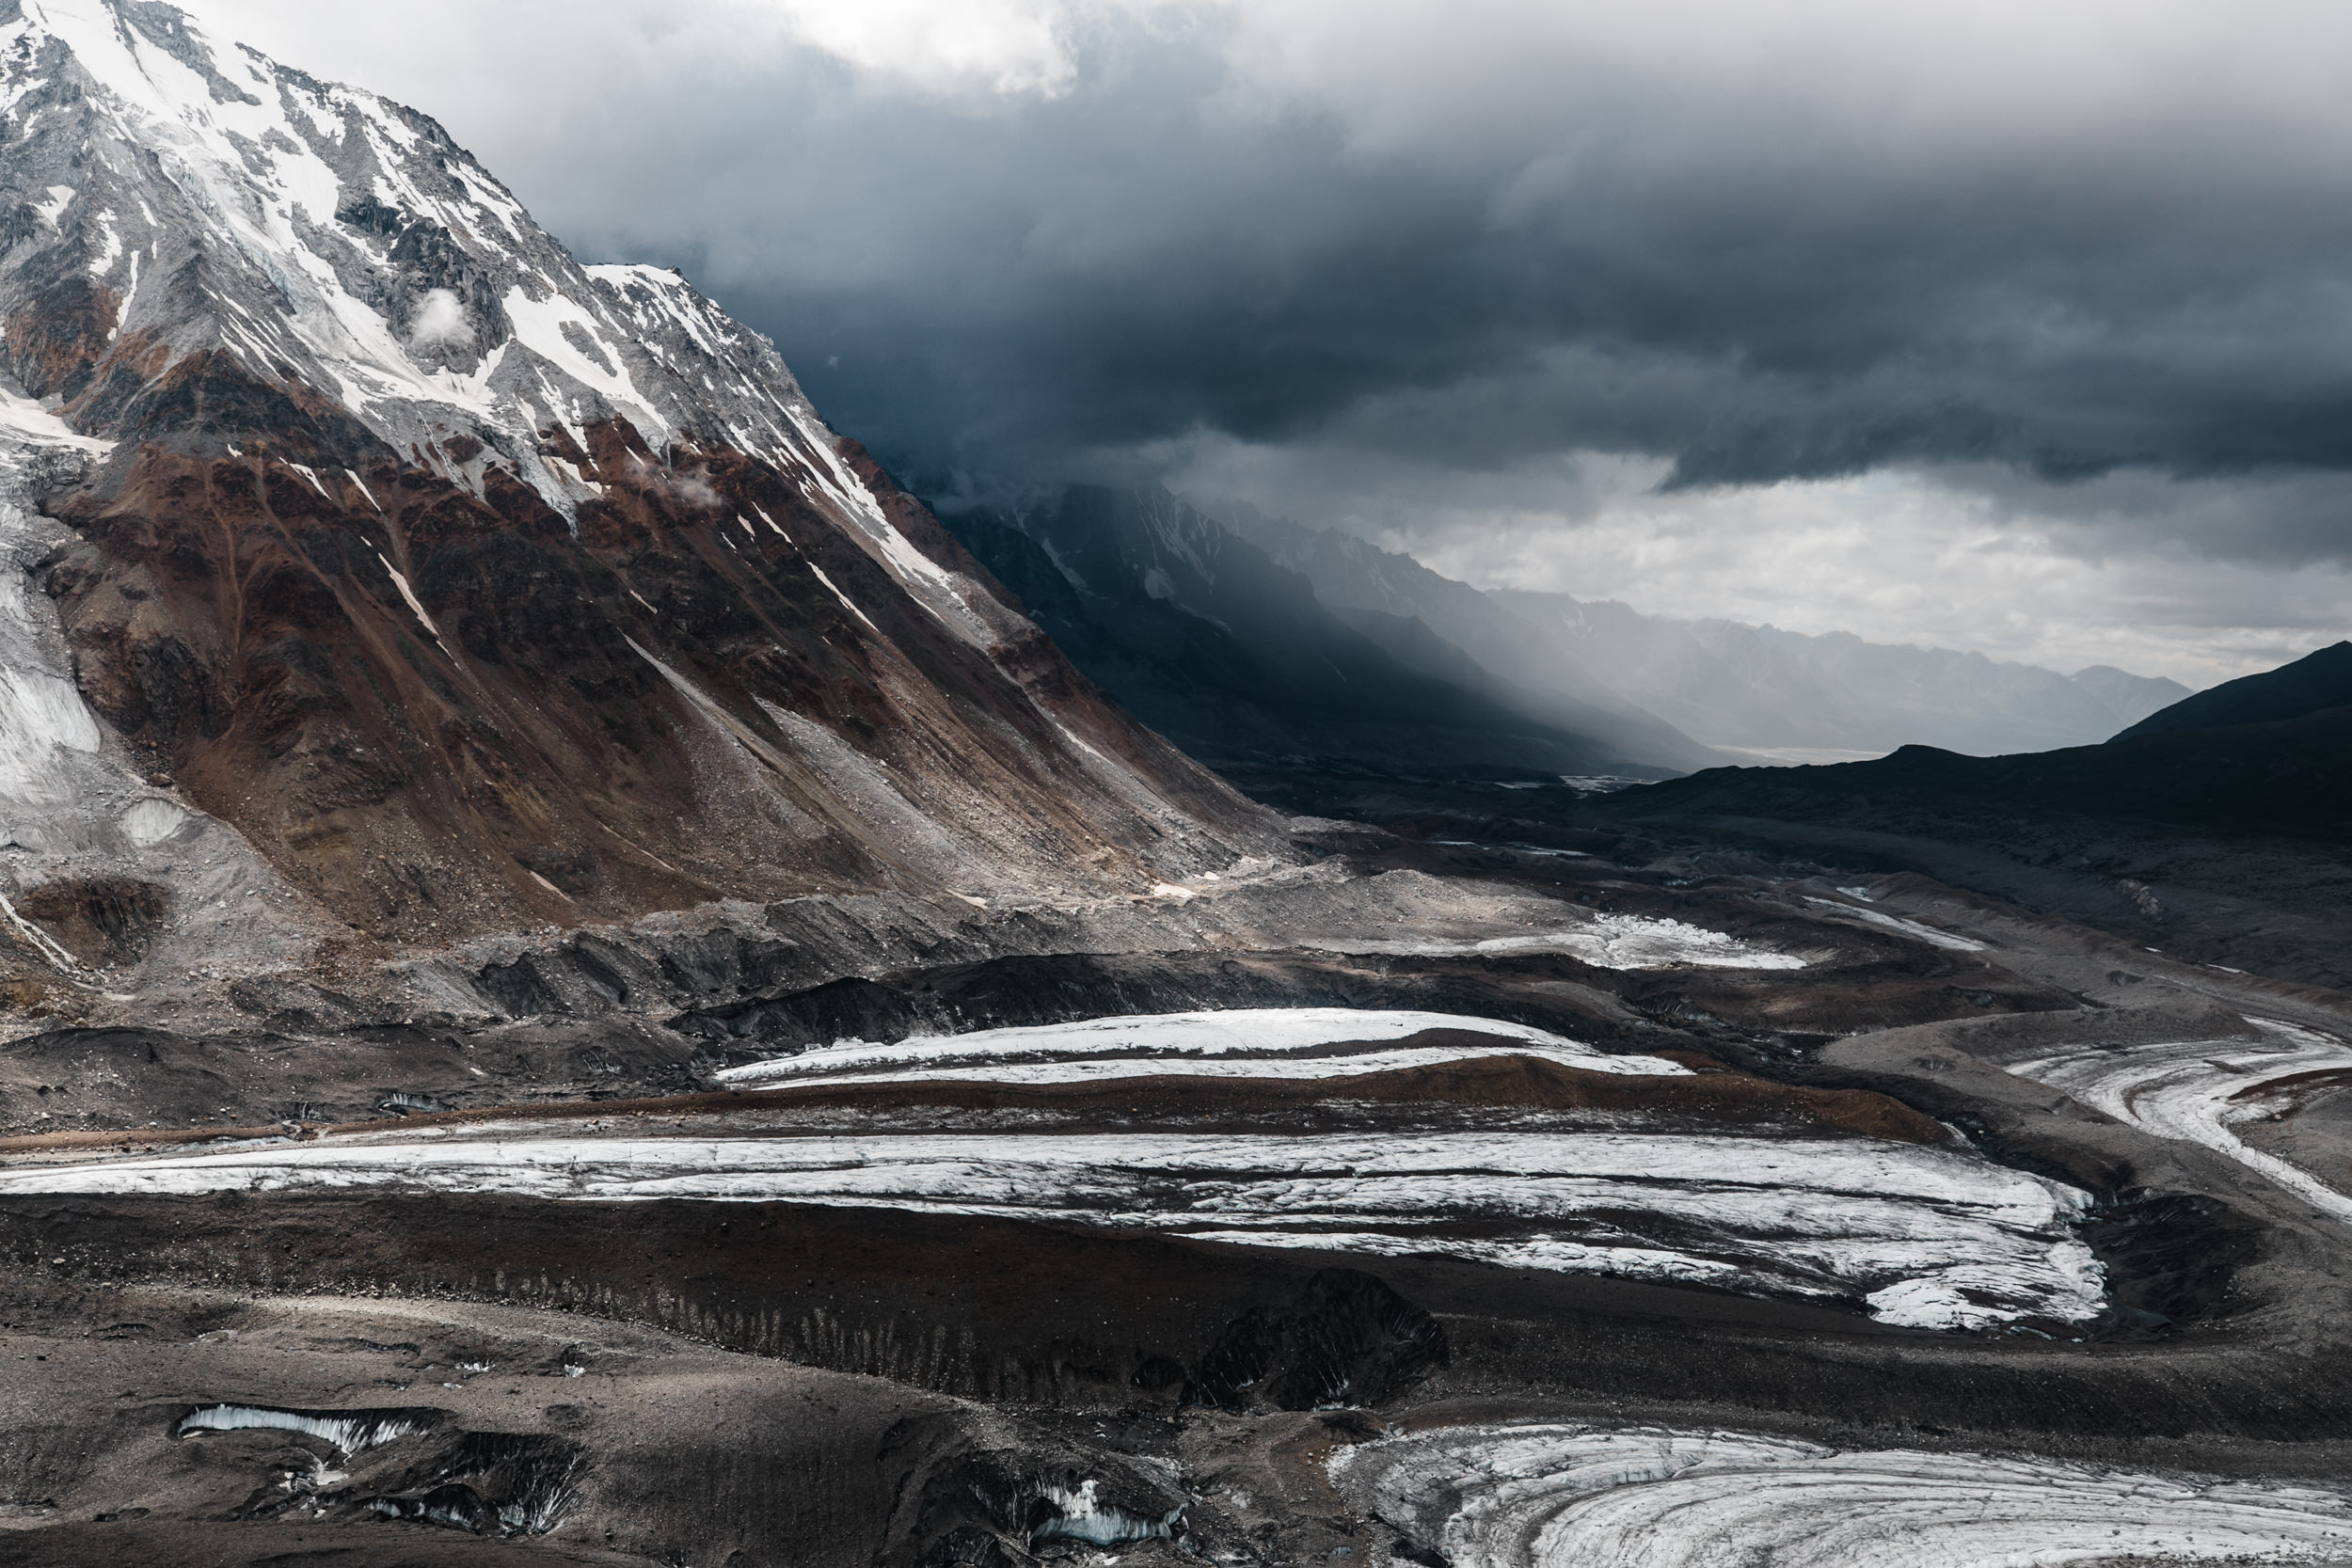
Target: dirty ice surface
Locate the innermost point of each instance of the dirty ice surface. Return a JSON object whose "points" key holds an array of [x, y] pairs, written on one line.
{"points": [[349, 1431], [1926, 1238], [1259, 1042], [1920, 929], [1579, 1497], [2201, 1090], [1606, 941]]}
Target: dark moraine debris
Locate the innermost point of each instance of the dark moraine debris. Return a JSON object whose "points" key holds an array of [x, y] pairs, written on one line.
{"points": [[2170, 1258], [491, 1482], [1347, 1340], [102, 921], [993, 1507], [1022, 990]]}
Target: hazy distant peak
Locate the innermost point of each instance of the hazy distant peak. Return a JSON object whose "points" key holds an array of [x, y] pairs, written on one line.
{"points": [[2131, 698], [1759, 689]]}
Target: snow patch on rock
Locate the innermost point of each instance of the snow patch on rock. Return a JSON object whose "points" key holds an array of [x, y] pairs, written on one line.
{"points": [[1920, 929]]}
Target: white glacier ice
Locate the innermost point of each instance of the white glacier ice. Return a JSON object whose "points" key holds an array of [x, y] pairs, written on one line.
{"points": [[1084, 1516], [1284, 1042], [1826, 1218], [1570, 1496], [41, 715], [1097, 1070], [2201, 1090], [349, 1433]]}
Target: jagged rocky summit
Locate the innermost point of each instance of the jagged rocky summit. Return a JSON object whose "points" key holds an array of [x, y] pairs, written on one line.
{"points": [[377, 575]]}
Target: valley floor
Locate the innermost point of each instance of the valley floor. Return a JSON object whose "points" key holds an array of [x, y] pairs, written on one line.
{"points": [[1442, 1198]]}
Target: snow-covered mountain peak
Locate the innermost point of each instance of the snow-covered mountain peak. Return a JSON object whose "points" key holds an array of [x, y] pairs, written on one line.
{"points": [[172, 191], [465, 585]]}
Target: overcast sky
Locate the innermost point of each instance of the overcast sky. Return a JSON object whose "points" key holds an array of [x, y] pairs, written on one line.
{"points": [[2019, 327]]}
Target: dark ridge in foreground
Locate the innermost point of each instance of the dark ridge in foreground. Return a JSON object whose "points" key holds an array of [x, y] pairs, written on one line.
{"points": [[2309, 685], [1008, 1311]]}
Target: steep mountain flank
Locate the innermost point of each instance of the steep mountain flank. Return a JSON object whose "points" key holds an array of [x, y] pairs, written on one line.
{"points": [[2228, 841], [475, 589], [1241, 658], [2292, 778]]}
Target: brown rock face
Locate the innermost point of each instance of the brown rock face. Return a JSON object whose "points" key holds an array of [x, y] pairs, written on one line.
{"points": [[54, 345], [443, 709], [477, 590], [101, 921]]}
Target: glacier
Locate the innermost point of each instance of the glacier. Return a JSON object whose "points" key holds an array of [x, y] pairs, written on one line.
{"points": [[1283, 1042], [1575, 1496], [1923, 1238]]}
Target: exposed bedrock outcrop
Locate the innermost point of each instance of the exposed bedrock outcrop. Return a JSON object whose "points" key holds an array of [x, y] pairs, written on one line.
{"points": [[443, 712]]}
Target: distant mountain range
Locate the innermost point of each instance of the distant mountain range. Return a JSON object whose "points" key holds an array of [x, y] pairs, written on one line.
{"points": [[1244, 637], [1203, 635], [1740, 688]]}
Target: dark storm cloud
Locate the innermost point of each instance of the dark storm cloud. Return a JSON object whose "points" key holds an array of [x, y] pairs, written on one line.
{"points": [[1116, 265], [1770, 272]]}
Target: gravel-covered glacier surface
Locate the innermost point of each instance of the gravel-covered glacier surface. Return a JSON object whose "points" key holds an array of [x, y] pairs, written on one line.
{"points": [[1584, 1496], [1926, 1238], [1265, 1043]]}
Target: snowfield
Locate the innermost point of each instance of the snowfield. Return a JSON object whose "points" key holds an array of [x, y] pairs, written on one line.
{"points": [[1579, 1497], [1267, 1042], [1926, 1238]]}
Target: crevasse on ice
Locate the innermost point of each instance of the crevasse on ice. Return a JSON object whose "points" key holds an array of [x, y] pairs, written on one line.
{"points": [[1086, 1518]]}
